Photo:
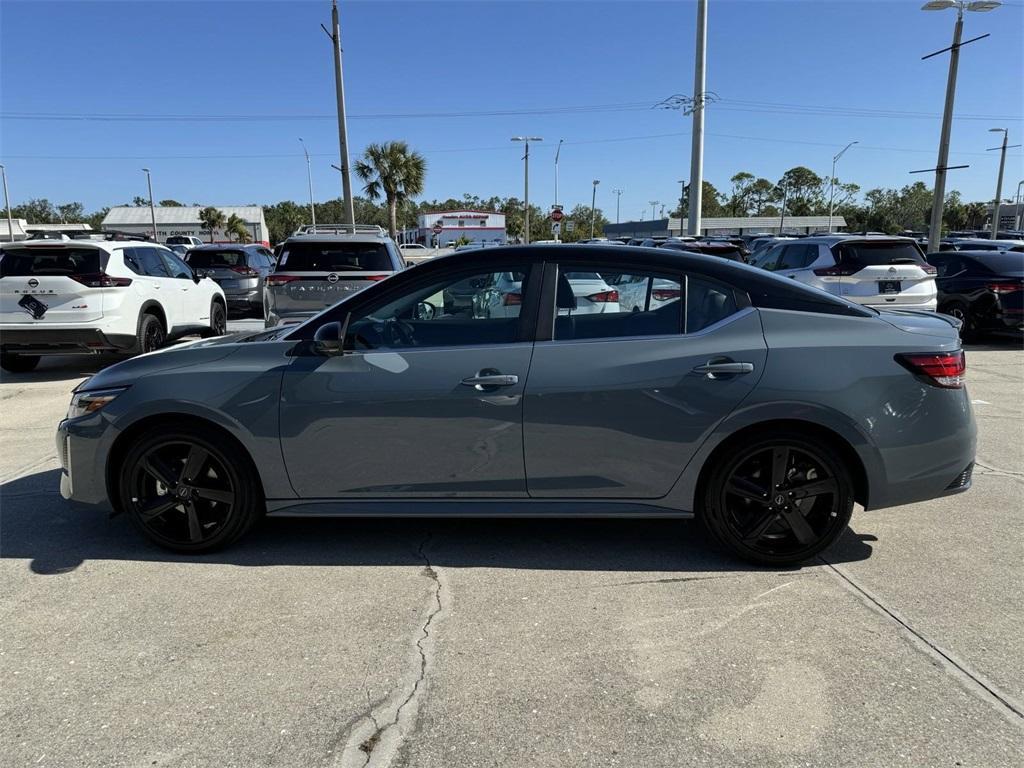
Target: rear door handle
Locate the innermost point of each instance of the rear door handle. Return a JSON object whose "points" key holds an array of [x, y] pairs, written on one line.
{"points": [[716, 368], [486, 380]]}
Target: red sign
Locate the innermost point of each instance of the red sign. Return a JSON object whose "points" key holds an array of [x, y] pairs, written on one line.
{"points": [[557, 215], [438, 228]]}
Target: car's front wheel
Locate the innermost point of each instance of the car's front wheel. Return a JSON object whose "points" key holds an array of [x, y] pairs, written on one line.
{"points": [[188, 490], [778, 500], [13, 363]]}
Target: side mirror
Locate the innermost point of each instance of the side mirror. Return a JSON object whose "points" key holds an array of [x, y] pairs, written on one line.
{"points": [[197, 275], [425, 311], [329, 340]]}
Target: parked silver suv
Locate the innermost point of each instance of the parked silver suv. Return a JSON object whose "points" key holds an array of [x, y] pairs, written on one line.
{"points": [[318, 266]]}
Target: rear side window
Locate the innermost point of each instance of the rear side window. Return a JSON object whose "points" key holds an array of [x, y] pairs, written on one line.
{"points": [[798, 256], [1010, 263], [17, 262], [707, 302], [879, 254], [335, 257], [145, 261], [212, 259]]}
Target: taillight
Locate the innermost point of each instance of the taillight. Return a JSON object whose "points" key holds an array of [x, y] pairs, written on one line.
{"points": [[837, 270], [929, 269], [281, 279], [511, 299], [943, 369], [604, 297], [244, 270], [101, 280], [664, 294], [374, 278], [1003, 287]]}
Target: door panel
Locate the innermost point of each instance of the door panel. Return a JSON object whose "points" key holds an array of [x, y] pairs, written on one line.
{"points": [[402, 423], [622, 417]]}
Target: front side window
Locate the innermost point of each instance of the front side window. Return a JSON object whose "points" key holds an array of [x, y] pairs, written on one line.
{"points": [[769, 259], [177, 268], [462, 310], [797, 256]]}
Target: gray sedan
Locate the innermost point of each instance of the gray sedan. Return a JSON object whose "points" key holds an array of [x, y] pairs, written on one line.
{"points": [[761, 406]]}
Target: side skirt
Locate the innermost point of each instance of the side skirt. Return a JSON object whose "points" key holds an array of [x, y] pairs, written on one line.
{"points": [[467, 508]]}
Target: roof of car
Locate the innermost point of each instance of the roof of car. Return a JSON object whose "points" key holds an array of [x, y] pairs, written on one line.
{"points": [[222, 246], [845, 237], [348, 237]]}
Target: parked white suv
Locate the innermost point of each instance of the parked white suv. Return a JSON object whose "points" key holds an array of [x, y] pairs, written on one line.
{"points": [[879, 271], [74, 296]]}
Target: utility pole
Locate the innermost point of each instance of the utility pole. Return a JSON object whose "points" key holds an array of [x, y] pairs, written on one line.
{"points": [[557, 153], [526, 183], [339, 85], [999, 183], [7, 202], [593, 208], [832, 185], [309, 178], [682, 202], [654, 208], [152, 210], [697, 145], [618, 199], [782, 217], [1016, 208]]}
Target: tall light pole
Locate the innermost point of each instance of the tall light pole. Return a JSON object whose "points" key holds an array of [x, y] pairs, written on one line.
{"points": [[935, 225], [1016, 209], [7, 202], [999, 183], [339, 86], [593, 208], [152, 210], [697, 145], [558, 151], [682, 202], [618, 199], [526, 184], [832, 184], [309, 178], [654, 207]]}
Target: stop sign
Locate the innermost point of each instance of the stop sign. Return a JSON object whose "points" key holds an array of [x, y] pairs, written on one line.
{"points": [[438, 228], [557, 215]]}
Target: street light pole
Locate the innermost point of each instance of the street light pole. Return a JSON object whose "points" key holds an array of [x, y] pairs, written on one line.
{"points": [[7, 203], [593, 208], [832, 185], [697, 145], [339, 85], [999, 183], [654, 207], [152, 210], [618, 199], [682, 202], [1016, 209], [558, 151], [309, 178], [526, 184]]}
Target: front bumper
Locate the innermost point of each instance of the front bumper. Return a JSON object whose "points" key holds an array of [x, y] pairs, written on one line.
{"points": [[82, 445], [68, 341]]}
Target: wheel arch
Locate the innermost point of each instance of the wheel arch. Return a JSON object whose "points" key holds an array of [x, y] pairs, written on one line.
{"points": [[155, 308]]}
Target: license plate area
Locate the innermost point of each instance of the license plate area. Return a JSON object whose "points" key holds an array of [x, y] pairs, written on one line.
{"points": [[33, 306], [889, 287]]}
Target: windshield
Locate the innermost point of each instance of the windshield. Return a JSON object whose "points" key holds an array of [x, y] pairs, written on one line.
{"points": [[212, 259], [16, 262], [334, 257]]}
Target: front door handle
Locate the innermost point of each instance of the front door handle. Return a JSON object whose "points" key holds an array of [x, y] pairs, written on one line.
{"points": [[720, 368], [489, 379]]}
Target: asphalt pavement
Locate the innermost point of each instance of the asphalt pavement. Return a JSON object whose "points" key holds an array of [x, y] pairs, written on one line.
{"points": [[511, 643]]}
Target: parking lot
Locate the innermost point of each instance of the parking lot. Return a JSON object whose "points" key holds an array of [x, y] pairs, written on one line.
{"points": [[521, 643]]}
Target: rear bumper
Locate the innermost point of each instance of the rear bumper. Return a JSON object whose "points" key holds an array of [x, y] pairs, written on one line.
{"points": [[247, 297], [68, 341]]}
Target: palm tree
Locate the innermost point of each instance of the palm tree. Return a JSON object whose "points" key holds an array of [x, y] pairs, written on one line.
{"points": [[394, 171], [212, 218], [236, 226]]}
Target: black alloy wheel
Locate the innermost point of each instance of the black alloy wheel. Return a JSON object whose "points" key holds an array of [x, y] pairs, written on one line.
{"points": [[779, 501], [188, 491], [960, 311], [218, 319], [151, 334]]}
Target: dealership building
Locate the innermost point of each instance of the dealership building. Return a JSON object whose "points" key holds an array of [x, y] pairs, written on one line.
{"points": [[726, 226], [475, 226], [184, 220]]}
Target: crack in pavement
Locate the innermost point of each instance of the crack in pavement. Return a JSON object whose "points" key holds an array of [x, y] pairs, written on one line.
{"points": [[988, 469], [970, 679], [378, 735]]}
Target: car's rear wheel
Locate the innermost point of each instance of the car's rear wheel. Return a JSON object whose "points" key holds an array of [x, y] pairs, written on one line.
{"points": [[187, 489], [960, 311], [778, 500], [150, 335], [13, 363]]}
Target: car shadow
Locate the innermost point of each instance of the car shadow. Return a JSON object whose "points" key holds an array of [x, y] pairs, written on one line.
{"points": [[996, 342], [57, 536], [63, 368]]}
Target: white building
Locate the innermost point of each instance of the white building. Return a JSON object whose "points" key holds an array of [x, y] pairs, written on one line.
{"points": [[184, 220], [475, 226]]}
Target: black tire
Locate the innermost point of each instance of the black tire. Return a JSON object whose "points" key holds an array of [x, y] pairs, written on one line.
{"points": [[743, 511], [218, 321], [13, 363], [150, 335], [962, 312], [188, 490]]}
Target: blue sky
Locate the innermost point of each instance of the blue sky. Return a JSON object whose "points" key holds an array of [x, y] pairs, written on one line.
{"points": [[796, 81]]}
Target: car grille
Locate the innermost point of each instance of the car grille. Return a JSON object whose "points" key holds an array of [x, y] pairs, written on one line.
{"points": [[963, 479]]}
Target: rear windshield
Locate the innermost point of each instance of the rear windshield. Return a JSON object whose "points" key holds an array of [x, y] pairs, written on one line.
{"points": [[212, 259], [877, 254], [1002, 263], [334, 257], [16, 262]]}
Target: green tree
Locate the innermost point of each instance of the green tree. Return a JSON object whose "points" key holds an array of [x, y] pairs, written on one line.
{"points": [[759, 194], [804, 191], [236, 227], [739, 199], [284, 218], [70, 213], [140, 202], [710, 202], [394, 172], [95, 219], [211, 219], [171, 204], [36, 211]]}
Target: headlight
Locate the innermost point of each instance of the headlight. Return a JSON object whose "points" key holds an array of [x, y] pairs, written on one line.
{"points": [[83, 403]]}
